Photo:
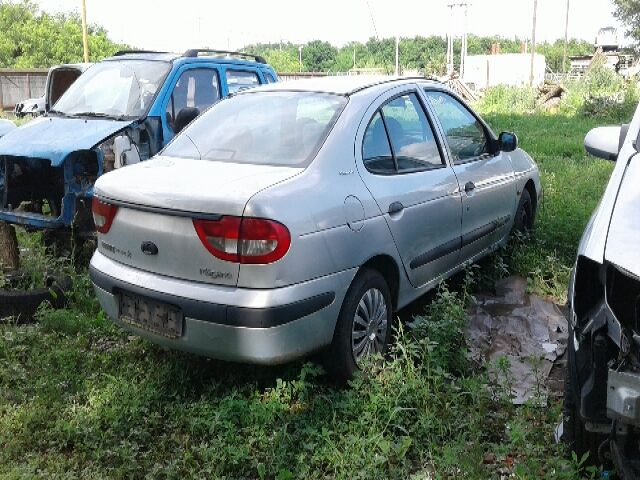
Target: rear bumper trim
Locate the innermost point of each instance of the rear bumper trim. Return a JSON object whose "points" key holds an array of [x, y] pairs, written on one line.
{"points": [[229, 315]]}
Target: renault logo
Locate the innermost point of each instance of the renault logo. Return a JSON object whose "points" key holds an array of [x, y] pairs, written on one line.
{"points": [[149, 248]]}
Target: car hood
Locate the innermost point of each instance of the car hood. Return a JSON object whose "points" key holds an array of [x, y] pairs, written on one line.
{"points": [[623, 240], [6, 126], [53, 138], [197, 186]]}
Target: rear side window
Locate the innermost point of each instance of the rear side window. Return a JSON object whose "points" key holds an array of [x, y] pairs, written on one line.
{"points": [[466, 136], [241, 79], [376, 151], [263, 128], [400, 139]]}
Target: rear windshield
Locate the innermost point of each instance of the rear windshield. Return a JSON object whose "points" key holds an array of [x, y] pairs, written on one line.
{"points": [[264, 128]]}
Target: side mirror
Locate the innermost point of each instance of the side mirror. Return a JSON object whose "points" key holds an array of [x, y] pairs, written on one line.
{"points": [[507, 142], [605, 142]]}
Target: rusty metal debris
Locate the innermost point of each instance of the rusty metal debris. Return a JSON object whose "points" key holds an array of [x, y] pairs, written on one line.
{"points": [[529, 331]]}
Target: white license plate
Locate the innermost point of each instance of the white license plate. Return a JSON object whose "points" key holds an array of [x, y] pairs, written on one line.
{"points": [[150, 315]]}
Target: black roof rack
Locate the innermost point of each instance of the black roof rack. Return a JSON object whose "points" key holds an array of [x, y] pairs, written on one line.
{"points": [[119, 53], [193, 52]]}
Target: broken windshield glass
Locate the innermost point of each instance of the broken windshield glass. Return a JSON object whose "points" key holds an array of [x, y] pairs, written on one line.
{"points": [[118, 89]]}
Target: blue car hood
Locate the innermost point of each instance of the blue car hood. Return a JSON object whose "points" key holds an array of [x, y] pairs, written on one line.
{"points": [[53, 138]]}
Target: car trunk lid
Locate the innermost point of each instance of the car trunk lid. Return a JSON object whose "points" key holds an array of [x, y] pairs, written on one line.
{"points": [[159, 199]]}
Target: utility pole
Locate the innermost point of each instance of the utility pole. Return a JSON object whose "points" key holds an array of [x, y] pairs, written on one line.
{"points": [[85, 39], [300, 56], [450, 41], [463, 51], [566, 41], [533, 42], [451, 38], [397, 55]]}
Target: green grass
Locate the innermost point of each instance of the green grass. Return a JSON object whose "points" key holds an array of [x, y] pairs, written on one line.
{"points": [[81, 399]]}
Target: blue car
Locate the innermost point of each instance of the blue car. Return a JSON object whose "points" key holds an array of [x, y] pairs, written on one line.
{"points": [[121, 111]]}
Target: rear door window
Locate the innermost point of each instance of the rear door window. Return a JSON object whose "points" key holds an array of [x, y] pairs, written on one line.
{"points": [[376, 151], [414, 144], [241, 79], [400, 139]]}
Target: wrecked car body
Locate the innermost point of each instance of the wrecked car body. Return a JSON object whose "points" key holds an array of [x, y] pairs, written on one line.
{"points": [[6, 126], [602, 393], [121, 111]]}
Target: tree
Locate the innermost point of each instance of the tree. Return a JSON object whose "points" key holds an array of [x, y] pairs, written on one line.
{"points": [[319, 56], [30, 38], [628, 12]]}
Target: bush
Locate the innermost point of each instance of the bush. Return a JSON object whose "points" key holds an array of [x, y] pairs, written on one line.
{"points": [[601, 93], [508, 100]]}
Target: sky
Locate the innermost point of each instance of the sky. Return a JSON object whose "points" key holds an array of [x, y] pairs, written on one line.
{"points": [[183, 24]]}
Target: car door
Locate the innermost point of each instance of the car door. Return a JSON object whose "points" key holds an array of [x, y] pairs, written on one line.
{"points": [[194, 87], [403, 166], [485, 176]]}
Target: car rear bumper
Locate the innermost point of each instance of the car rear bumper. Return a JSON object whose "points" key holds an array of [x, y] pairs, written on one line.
{"points": [[265, 326]]}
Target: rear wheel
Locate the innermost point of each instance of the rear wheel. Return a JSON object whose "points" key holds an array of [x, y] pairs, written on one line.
{"points": [[524, 215], [364, 325]]}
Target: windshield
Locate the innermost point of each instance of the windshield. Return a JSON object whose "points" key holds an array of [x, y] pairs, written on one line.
{"points": [[265, 128], [123, 88]]}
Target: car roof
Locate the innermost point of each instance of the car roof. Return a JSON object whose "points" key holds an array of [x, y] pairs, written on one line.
{"points": [[190, 56], [76, 66], [341, 85]]}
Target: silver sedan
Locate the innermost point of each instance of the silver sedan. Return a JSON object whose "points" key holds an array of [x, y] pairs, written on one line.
{"points": [[299, 216]]}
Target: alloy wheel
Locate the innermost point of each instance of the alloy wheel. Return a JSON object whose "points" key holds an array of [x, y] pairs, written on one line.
{"points": [[369, 329]]}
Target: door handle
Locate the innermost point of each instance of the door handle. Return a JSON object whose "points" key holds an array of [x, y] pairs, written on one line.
{"points": [[395, 207], [469, 187]]}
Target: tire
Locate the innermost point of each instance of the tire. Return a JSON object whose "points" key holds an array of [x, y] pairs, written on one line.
{"points": [[23, 304], [523, 222], [368, 288], [575, 435]]}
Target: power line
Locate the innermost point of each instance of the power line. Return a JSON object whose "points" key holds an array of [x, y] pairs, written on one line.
{"points": [[375, 29]]}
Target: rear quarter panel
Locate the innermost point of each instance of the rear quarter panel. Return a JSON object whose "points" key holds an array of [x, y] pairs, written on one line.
{"points": [[326, 236]]}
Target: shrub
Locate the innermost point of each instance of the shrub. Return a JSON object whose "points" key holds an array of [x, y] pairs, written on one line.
{"points": [[506, 99]]}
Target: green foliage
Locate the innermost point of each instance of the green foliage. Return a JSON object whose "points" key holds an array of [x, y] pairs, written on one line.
{"points": [[29, 38], [426, 54], [322, 55], [600, 93], [505, 99], [628, 12]]}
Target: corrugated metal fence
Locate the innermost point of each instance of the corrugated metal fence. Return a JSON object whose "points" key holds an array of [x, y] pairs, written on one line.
{"points": [[19, 84]]}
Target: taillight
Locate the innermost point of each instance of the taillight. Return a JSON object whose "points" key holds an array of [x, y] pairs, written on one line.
{"points": [[103, 214], [244, 240]]}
